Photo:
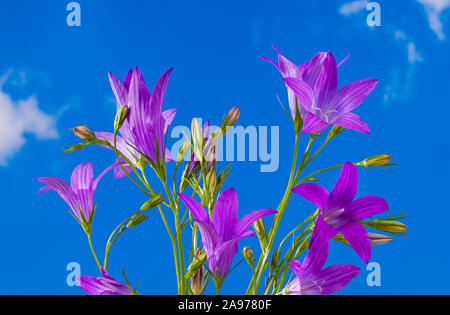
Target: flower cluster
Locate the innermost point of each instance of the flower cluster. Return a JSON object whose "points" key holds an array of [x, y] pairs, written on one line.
{"points": [[138, 140]]}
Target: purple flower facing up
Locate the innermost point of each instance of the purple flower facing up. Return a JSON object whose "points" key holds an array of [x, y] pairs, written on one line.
{"points": [[146, 124], [321, 105], [311, 279], [80, 194], [105, 285], [220, 236], [341, 213]]}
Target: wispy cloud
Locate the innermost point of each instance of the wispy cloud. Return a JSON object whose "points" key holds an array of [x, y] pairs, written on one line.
{"points": [[434, 9], [402, 77], [18, 118], [353, 7]]}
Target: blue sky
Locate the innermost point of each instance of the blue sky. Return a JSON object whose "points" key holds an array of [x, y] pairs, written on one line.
{"points": [[53, 76]]}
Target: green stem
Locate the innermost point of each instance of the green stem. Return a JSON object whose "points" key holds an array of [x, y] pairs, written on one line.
{"points": [[93, 252], [281, 208]]}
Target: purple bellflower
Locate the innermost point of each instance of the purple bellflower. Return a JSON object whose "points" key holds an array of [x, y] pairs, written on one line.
{"points": [[341, 213], [220, 236], [146, 124], [311, 279], [320, 104], [79, 195], [105, 285]]}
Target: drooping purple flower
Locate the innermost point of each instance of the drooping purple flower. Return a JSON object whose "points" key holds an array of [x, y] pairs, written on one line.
{"points": [[146, 124], [105, 285], [220, 236], [341, 213], [321, 105], [311, 279], [79, 195]]}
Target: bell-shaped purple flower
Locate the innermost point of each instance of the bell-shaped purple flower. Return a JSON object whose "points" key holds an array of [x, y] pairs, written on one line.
{"points": [[79, 195], [341, 213], [105, 285], [146, 124], [320, 104], [311, 278], [220, 236]]}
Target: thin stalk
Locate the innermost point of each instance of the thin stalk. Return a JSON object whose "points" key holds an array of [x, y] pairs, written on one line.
{"points": [[93, 252], [281, 208]]}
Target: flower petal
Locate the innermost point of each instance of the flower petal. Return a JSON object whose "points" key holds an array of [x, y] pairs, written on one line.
{"points": [[82, 177], [352, 95], [314, 193], [225, 214], [121, 145], [296, 267], [196, 209], [352, 121], [345, 189], [225, 254], [63, 190], [336, 277], [302, 90], [168, 117], [358, 238], [312, 69], [91, 285], [248, 220], [365, 207], [326, 85], [120, 91], [317, 255], [313, 124]]}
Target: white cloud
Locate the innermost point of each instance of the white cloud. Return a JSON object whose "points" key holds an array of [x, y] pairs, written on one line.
{"points": [[434, 9], [353, 7], [402, 77], [18, 118]]}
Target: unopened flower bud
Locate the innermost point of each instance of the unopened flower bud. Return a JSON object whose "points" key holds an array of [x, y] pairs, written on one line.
{"points": [[197, 138], [298, 119], [247, 252], [211, 180], [275, 261], [233, 116], [378, 239], [183, 151], [198, 262], [153, 202], [377, 160], [335, 131], [83, 132], [388, 226], [261, 232], [121, 115], [136, 220], [198, 279]]}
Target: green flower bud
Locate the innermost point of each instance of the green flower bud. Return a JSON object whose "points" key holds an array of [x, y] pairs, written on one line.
{"points": [[261, 232], [121, 115], [389, 226], [247, 252], [155, 201], [377, 160]]}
